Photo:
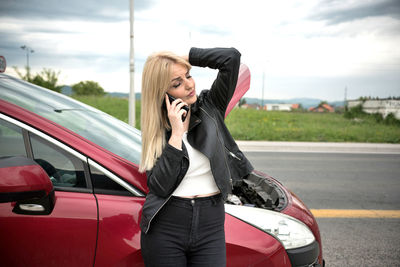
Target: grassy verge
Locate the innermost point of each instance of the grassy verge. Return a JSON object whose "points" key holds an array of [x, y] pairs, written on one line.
{"points": [[314, 127], [117, 107], [248, 124]]}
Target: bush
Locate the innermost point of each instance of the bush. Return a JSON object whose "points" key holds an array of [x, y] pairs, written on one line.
{"points": [[354, 112], [376, 116], [88, 88], [391, 120], [357, 112], [47, 78]]}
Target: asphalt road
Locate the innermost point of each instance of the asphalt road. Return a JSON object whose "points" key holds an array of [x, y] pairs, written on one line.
{"points": [[344, 181]]}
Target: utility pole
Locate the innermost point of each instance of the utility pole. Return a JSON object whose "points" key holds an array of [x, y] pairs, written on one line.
{"points": [[262, 98], [28, 51], [131, 70]]}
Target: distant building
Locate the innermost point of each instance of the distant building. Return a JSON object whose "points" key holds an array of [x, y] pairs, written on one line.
{"points": [[295, 106], [322, 108], [251, 106], [281, 107], [272, 107], [382, 106]]}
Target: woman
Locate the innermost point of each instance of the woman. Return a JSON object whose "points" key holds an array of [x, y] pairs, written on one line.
{"points": [[190, 158]]}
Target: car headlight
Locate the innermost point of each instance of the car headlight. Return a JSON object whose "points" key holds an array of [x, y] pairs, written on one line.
{"points": [[291, 232]]}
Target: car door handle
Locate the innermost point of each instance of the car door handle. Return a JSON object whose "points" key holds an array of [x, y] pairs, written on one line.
{"points": [[31, 207]]}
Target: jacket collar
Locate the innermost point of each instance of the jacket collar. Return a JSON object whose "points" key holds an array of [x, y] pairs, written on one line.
{"points": [[194, 108], [194, 120]]}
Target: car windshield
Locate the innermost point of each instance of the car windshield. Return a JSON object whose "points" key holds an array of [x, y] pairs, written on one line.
{"points": [[92, 124]]}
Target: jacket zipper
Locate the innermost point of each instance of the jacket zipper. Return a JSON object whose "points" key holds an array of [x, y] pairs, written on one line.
{"points": [[226, 163], [152, 217], [232, 154]]}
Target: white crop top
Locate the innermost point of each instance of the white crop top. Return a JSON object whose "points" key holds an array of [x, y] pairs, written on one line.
{"points": [[198, 179]]}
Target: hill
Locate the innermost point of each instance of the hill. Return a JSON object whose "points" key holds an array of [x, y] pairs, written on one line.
{"points": [[305, 102]]}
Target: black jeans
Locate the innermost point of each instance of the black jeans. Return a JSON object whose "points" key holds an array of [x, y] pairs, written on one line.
{"points": [[187, 232]]}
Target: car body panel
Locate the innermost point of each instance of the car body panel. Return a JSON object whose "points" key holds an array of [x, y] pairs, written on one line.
{"points": [[119, 232], [297, 209], [66, 237], [249, 246], [300, 211]]}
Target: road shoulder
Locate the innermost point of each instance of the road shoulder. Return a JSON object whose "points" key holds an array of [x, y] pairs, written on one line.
{"points": [[321, 147]]}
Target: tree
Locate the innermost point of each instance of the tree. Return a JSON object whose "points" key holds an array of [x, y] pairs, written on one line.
{"points": [[322, 103], [27, 77], [87, 88], [242, 101], [47, 78]]}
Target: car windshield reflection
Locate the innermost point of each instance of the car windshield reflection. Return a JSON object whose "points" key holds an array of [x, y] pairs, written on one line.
{"points": [[92, 124]]}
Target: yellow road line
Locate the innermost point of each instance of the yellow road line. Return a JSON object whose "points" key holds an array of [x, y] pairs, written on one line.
{"points": [[330, 213]]}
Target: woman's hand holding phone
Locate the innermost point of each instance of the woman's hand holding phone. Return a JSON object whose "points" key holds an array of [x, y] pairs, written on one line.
{"points": [[176, 115], [185, 106]]}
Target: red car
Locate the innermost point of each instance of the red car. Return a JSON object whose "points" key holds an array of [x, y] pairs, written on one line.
{"points": [[71, 193]]}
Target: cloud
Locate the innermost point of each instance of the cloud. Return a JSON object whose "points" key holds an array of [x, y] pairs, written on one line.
{"points": [[211, 29], [304, 47], [336, 12], [88, 10]]}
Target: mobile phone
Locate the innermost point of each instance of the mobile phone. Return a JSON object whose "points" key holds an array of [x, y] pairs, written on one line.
{"points": [[171, 98]]}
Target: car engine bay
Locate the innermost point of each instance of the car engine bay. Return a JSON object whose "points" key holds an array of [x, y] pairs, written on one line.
{"points": [[257, 190]]}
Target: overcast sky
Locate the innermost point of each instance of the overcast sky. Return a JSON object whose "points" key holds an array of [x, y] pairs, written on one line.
{"points": [[303, 48]]}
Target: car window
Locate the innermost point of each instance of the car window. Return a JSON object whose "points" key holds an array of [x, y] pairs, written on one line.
{"points": [[11, 140], [64, 169], [102, 184]]}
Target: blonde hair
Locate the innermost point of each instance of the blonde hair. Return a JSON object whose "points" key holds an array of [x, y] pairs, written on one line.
{"points": [[156, 80]]}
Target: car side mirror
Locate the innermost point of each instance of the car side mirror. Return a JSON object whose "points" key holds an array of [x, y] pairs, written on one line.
{"points": [[25, 182]]}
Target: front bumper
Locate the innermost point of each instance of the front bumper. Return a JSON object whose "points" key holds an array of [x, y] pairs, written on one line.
{"points": [[304, 256]]}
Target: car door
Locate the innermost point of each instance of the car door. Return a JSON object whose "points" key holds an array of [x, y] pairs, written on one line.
{"points": [[120, 204], [65, 237]]}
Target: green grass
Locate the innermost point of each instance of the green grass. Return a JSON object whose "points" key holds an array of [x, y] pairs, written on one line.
{"points": [[117, 107], [248, 124], [315, 127]]}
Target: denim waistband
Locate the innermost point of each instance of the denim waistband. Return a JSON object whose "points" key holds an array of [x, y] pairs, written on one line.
{"points": [[198, 201]]}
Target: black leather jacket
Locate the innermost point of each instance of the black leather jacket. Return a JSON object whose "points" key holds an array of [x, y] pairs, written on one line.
{"points": [[207, 133]]}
